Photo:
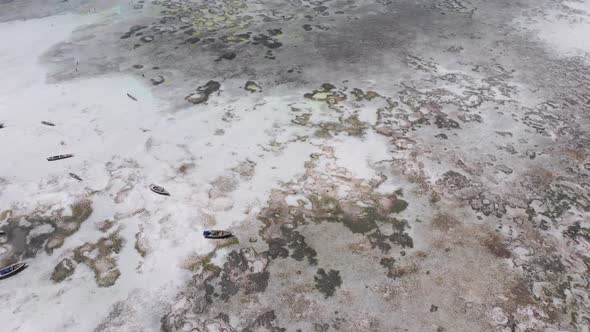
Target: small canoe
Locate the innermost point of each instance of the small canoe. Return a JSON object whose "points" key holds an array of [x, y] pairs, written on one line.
{"points": [[131, 97], [47, 123], [59, 157], [159, 190], [217, 234], [12, 269], [75, 176]]}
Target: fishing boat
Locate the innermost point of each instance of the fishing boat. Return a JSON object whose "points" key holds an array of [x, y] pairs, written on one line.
{"points": [[159, 190], [217, 234], [59, 157], [47, 123], [12, 269], [75, 176]]}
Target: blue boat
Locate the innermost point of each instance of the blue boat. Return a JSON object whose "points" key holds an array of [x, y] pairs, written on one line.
{"points": [[217, 234], [11, 269]]}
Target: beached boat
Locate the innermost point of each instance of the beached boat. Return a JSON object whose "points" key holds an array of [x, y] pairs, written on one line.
{"points": [[59, 157], [217, 234], [12, 269], [75, 176], [159, 190]]}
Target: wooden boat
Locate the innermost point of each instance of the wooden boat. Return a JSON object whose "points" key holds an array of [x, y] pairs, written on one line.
{"points": [[217, 234], [59, 157], [132, 98], [159, 190], [12, 269], [75, 176], [47, 123]]}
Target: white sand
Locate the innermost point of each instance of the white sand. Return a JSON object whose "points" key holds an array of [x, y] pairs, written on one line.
{"points": [[120, 147]]}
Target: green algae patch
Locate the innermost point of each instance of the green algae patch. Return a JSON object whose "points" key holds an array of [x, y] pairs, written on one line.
{"points": [[196, 262], [327, 129], [228, 243], [225, 15], [327, 208], [252, 87], [206, 264], [302, 119], [326, 93], [353, 126], [5, 214]]}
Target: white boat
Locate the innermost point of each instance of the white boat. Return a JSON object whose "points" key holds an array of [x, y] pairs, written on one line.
{"points": [[159, 190]]}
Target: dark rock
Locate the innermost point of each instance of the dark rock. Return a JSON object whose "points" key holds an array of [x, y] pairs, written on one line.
{"points": [[203, 92], [444, 122], [327, 283]]}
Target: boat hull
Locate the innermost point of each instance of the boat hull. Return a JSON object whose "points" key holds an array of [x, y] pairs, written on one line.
{"points": [[11, 270], [217, 234], [159, 190], [60, 157]]}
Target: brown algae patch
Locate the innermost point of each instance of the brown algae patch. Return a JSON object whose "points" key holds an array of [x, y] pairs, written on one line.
{"points": [[141, 244], [361, 95], [357, 219], [63, 270], [105, 225], [100, 258], [185, 168], [27, 234]]}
